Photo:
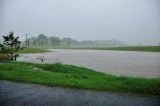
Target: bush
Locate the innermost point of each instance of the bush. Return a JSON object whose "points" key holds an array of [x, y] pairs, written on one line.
{"points": [[4, 58]]}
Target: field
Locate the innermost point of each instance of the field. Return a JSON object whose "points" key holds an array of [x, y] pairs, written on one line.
{"points": [[138, 48], [33, 50], [129, 48], [77, 77]]}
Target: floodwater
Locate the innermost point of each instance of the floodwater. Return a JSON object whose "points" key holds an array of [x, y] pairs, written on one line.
{"points": [[143, 64]]}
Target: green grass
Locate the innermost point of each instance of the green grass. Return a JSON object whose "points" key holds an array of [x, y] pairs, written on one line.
{"points": [[33, 50], [77, 77], [129, 48], [138, 48]]}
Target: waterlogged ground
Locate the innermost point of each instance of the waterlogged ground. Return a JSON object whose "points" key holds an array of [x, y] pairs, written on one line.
{"points": [[145, 64]]}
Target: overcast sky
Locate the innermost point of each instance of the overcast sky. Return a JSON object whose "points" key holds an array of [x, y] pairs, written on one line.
{"points": [[131, 21]]}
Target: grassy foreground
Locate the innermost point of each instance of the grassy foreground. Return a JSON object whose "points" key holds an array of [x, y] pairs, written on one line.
{"points": [[129, 48], [33, 50], [77, 77]]}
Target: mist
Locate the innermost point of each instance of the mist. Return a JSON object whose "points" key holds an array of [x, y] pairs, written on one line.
{"points": [[130, 21]]}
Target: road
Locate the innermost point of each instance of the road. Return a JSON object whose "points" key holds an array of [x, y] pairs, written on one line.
{"points": [[22, 94], [128, 63]]}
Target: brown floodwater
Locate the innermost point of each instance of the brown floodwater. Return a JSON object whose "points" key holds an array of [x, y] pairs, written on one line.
{"points": [[143, 64]]}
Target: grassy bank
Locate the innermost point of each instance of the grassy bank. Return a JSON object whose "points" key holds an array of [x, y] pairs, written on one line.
{"points": [[129, 48], [33, 50], [138, 48], [77, 77]]}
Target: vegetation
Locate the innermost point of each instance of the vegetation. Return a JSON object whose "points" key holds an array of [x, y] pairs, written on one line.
{"points": [[10, 45], [33, 50], [137, 48], [44, 41], [77, 77], [4, 58], [129, 48]]}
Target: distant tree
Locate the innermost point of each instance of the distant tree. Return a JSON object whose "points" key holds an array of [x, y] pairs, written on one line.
{"points": [[55, 41], [67, 41], [10, 45], [34, 42], [42, 40]]}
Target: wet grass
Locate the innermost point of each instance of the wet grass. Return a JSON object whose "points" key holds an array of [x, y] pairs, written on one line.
{"points": [[137, 48], [33, 50], [129, 48], [77, 77]]}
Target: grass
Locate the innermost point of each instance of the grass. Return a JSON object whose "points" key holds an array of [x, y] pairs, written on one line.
{"points": [[77, 77], [33, 50], [137, 48], [129, 48]]}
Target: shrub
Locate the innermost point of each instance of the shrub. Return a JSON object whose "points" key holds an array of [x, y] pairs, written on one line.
{"points": [[4, 58]]}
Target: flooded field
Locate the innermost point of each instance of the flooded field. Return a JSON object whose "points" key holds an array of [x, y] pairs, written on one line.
{"points": [[145, 64]]}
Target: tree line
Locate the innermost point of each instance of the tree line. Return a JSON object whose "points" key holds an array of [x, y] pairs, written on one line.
{"points": [[44, 41]]}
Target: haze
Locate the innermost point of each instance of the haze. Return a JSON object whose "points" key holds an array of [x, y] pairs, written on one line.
{"points": [[130, 21]]}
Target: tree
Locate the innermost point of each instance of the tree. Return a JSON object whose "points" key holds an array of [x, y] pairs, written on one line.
{"points": [[34, 42], [10, 45], [67, 41], [42, 40], [54, 41]]}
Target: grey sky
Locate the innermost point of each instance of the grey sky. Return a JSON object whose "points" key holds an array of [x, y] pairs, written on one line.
{"points": [[131, 21]]}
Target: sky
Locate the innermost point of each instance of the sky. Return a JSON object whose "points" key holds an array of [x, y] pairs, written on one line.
{"points": [[130, 21]]}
